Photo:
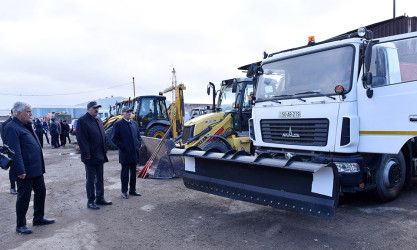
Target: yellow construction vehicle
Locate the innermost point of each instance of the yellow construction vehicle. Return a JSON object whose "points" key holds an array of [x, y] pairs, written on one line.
{"points": [[118, 110], [149, 112], [227, 128], [176, 109]]}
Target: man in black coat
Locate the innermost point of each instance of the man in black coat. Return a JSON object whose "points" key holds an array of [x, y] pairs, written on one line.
{"points": [[11, 178], [92, 142], [53, 129], [67, 131], [39, 131], [127, 138], [28, 167]]}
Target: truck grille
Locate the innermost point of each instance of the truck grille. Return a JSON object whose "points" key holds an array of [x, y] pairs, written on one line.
{"points": [[306, 132]]}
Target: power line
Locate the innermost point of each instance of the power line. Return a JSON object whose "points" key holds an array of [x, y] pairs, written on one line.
{"points": [[75, 93]]}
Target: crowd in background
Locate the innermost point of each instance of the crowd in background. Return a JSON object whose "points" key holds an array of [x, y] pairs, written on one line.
{"points": [[58, 129]]}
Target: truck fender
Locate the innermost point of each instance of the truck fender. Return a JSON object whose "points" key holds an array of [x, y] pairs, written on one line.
{"points": [[158, 122], [224, 140]]}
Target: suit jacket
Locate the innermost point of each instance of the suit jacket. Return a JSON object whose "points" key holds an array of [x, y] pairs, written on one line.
{"points": [[127, 138], [54, 128], [38, 128], [28, 157], [91, 139]]}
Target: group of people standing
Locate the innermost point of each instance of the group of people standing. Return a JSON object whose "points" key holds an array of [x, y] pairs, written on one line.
{"points": [[28, 165], [59, 131]]}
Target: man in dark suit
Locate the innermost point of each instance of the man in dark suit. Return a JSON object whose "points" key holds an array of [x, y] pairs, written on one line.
{"points": [[28, 167], [3, 126], [127, 138], [54, 133], [92, 142]]}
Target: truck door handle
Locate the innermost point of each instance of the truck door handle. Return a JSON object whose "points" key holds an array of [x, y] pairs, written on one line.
{"points": [[413, 118]]}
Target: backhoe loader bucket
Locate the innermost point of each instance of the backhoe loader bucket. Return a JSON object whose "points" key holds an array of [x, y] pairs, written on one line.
{"points": [[164, 165], [304, 187]]}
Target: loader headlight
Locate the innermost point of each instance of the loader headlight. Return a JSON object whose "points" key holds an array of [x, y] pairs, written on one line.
{"points": [[347, 167]]}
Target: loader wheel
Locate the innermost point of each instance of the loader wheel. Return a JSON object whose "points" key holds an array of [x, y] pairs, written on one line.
{"points": [[215, 144], [390, 177], [109, 142], [157, 131]]}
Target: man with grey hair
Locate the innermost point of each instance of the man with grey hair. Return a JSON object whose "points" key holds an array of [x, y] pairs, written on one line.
{"points": [[3, 126], [28, 167]]}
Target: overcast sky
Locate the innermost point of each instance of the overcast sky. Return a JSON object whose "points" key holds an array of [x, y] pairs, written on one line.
{"points": [[58, 48]]}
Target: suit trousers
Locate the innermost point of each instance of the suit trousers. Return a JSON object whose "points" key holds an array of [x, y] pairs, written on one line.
{"points": [[24, 190], [12, 180], [94, 181], [124, 176], [54, 140], [46, 135]]}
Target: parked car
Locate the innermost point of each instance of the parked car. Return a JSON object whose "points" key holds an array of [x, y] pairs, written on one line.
{"points": [[73, 126]]}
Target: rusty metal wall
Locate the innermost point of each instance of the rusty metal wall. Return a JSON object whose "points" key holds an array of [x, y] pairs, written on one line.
{"points": [[399, 25]]}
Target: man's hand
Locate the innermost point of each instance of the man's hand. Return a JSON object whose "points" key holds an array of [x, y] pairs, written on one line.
{"points": [[22, 176]]}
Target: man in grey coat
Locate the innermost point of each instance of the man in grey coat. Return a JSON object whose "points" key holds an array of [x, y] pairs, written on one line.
{"points": [[28, 167]]}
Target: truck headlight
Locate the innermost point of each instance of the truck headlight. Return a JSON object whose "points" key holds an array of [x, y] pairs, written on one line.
{"points": [[347, 167]]}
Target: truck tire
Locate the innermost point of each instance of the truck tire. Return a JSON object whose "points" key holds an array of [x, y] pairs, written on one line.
{"points": [[157, 131], [109, 142], [215, 144], [390, 177]]}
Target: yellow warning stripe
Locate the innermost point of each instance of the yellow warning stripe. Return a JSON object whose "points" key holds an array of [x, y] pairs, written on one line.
{"points": [[388, 132]]}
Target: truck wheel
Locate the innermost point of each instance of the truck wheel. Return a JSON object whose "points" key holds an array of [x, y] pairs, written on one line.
{"points": [[157, 131], [390, 177], [109, 142], [215, 144]]}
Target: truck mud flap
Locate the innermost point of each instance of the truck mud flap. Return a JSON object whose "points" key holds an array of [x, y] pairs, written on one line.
{"points": [[303, 187]]}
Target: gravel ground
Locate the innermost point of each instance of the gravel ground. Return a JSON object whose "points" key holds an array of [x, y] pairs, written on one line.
{"points": [[169, 216]]}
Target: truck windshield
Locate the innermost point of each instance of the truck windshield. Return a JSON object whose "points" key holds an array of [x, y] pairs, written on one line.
{"points": [[226, 99], [306, 75]]}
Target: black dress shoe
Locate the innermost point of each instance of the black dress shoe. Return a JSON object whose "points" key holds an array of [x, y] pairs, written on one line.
{"points": [[13, 191], [43, 222], [124, 195], [134, 193], [103, 202], [92, 206], [23, 230]]}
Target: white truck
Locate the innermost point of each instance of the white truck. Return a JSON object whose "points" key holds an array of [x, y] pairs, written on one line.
{"points": [[330, 117]]}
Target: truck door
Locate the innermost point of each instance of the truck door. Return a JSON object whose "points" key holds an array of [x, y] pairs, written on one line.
{"points": [[244, 109], [389, 118]]}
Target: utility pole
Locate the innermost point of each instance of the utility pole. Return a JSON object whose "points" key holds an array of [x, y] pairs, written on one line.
{"points": [[134, 91], [394, 9]]}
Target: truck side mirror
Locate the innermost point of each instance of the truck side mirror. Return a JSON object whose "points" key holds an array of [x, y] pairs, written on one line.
{"points": [[252, 70], [208, 90], [367, 79]]}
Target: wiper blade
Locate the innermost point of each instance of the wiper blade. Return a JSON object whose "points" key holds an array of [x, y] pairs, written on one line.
{"points": [[309, 92]]}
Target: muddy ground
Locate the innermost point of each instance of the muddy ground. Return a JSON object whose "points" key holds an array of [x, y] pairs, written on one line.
{"points": [[169, 216]]}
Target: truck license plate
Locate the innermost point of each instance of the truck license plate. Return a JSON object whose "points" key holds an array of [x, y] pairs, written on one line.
{"points": [[289, 114]]}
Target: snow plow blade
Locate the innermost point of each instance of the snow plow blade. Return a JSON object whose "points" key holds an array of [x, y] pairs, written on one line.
{"points": [[164, 165], [303, 187]]}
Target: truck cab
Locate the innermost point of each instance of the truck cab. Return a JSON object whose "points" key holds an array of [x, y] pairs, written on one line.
{"points": [[349, 101]]}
